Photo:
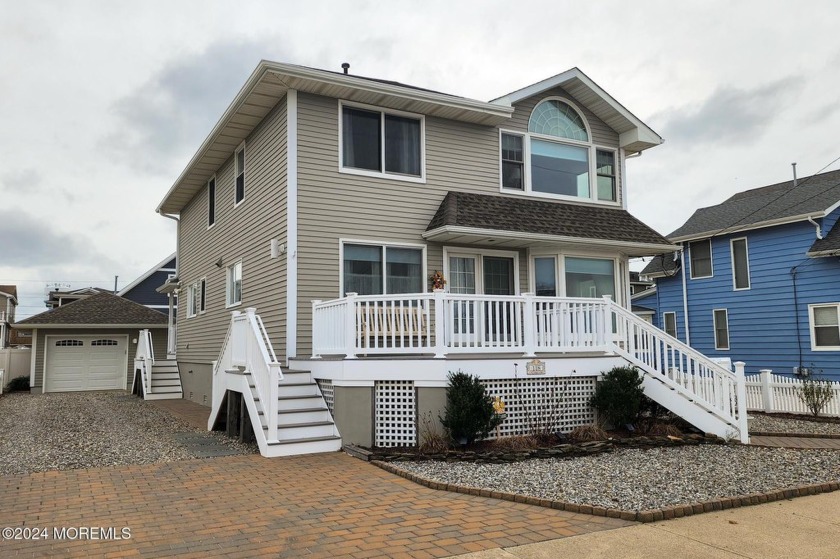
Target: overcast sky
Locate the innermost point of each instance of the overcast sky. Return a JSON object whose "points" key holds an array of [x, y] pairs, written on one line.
{"points": [[103, 103]]}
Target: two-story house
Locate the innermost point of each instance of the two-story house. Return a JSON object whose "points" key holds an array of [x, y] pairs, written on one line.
{"points": [[386, 235], [8, 304], [756, 278]]}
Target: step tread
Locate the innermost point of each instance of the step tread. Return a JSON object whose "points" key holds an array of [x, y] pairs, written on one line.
{"points": [[306, 440], [301, 410], [306, 424]]}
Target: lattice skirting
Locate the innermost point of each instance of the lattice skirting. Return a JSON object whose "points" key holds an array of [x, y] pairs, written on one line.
{"points": [[395, 420], [327, 391], [552, 404]]}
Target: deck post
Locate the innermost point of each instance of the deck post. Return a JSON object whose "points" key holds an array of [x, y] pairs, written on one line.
{"points": [[767, 396], [440, 324], [529, 317], [315, 335], [350, 326], [741, 391]]}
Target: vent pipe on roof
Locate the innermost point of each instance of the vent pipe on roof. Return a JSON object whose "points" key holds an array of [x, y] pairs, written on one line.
{"points": [[345, 66], [795, 182]]}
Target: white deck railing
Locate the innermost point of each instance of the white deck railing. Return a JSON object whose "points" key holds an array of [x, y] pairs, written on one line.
{"points": [[144, 358], [442, 324]]}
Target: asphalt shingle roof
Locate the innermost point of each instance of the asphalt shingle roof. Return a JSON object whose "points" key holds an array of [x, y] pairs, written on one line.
{"points": [[504, 213], [662, 264], [777, 201], [102, 308], [828, 244]]}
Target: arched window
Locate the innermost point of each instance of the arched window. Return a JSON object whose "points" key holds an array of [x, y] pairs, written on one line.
{"points": [[557, 157], [556, 118]]}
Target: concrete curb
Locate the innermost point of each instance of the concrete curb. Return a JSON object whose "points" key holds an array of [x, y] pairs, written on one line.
{"points": [[654, 515]]}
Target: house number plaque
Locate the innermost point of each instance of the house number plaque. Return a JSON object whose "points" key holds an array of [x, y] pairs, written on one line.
{"points": [[535, 367]]}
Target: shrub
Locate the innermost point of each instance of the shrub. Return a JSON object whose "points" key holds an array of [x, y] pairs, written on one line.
{"points": [[618, 397], [18, 384], [469, 413], [515, 443], [815, 394], [664, 430], [586, 433], [432, 440]]}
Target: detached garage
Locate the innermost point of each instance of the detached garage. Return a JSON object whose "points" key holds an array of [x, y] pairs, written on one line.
{"points": [[90, 344]]}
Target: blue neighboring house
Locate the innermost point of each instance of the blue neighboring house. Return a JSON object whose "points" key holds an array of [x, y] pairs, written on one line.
{"points": [[761, 276], [143, 290]]}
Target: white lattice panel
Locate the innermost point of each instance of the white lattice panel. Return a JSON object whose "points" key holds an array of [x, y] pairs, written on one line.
{"points": [[328, 393], [562, 402], [396, 413]]}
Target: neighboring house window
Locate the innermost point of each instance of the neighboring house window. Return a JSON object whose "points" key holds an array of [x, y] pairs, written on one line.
{"points": [[240, 174], [721, 322], [700, 253], [211, 202], [203, 294], [556, 157], [740, 264], [234, 284], [379, 142], [670, 323], [513, 162], [377, 269], [545, 276], [192, 299], [589, 277], [825, 326]]}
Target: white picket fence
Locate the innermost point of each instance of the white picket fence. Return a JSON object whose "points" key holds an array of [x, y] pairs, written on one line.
{"points": [[774, 393]]}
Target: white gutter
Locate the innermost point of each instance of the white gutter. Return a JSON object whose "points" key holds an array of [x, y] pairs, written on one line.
{"points": [[683, 269], [749, 227], [817, 226]]}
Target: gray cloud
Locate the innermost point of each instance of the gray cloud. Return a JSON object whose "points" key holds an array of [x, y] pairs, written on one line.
{"points": [[29, 179], [31, 243], [729, 114], [177, 107]]}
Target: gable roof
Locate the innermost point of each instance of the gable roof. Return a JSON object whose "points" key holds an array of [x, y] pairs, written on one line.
{"points": [[634, 135], [829, 245], [814, 197], [661, 266], [270, 82], [102, 309], [523, 222], [147, 274]]}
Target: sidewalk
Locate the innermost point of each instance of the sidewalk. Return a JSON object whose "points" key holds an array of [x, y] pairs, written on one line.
{"points": [[806, 527]]}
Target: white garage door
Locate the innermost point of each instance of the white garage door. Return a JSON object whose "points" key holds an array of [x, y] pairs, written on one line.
{"points": [[85, 363]]}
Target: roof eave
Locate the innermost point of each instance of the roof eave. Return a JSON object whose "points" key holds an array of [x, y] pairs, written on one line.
{"points": [[748, 227], [26, 326]]}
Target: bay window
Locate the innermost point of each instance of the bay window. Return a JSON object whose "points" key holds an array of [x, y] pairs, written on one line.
{"points": [[583, 277]]}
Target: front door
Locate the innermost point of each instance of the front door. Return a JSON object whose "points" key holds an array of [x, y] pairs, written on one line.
{"points": [[472, 316]]}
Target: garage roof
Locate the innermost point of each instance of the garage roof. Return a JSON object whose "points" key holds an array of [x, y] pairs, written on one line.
{"points": [[102, 309]]}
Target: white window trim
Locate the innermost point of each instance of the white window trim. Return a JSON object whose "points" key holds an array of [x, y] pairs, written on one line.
{"points": [[381, 174], [215, 201], [711, 259], [561, 270], [812, 325], [532, 271], [202, 295], [383, 245], [732, 258], [479, 272], [240, 147], [715, 329], [591, 146], [191, 297], [665, 322], [229, 284]]}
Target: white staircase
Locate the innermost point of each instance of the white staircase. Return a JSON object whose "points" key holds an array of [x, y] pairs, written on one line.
{"points": [[288, 414], [688, 383], [154, 379]]}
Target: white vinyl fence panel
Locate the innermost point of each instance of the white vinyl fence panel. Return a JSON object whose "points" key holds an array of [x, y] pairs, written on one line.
{"points": [[775, 393]]}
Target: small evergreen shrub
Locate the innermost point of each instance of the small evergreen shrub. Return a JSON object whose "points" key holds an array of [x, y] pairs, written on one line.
{"points": [[815, 394], [618, 397], [469, 413], [18, 384]]}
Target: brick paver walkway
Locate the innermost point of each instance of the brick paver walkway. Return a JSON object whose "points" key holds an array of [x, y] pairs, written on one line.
{"points": [[795, 442], [194, 414], [328, 505]]}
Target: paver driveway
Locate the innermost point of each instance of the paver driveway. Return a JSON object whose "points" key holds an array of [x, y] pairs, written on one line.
{"points": [[328, 505]]}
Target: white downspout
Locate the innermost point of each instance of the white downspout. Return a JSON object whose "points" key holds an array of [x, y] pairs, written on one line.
{"points": [[685, 295], [817, 225]]}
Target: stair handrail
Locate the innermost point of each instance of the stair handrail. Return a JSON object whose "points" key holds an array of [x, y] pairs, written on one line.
{"points": [[732, 409], [144, 358]]}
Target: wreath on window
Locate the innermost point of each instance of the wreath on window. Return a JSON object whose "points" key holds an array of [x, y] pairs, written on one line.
{"points": [[437, 280]]}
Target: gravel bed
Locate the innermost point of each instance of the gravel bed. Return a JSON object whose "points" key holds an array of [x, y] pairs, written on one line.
{"points": [[762, 423], [645, 479], [92, 429]]}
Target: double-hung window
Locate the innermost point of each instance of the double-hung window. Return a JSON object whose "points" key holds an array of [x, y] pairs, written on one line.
{"points": [[234, 284], [557, 157], [740, 264], [382, 269], [192, 299], [239, 171], [825, 326], [721, 324], [669, 320], [211, 202], [700, 253], [381, 143]]}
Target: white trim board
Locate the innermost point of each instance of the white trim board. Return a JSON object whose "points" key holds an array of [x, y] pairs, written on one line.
{"points": [[291, 223]]}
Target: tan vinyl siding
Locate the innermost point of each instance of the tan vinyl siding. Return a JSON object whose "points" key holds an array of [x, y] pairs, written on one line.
{"points": [[241, 233], [334, 205], [158, 341]]}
